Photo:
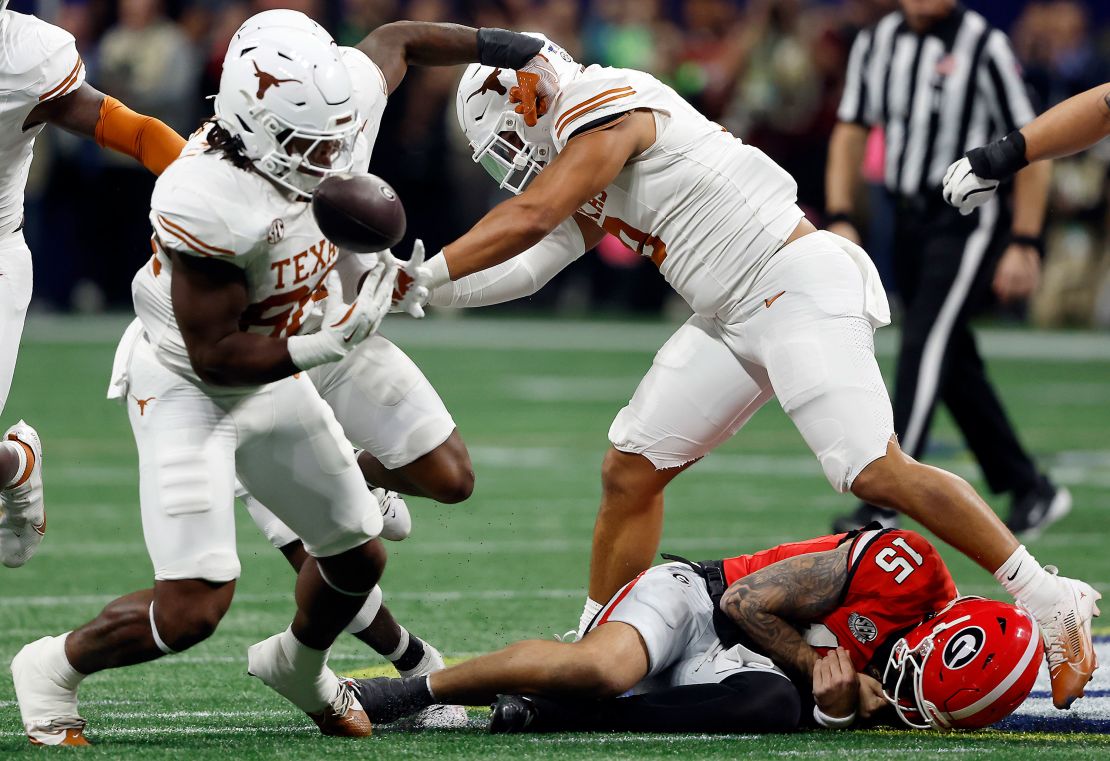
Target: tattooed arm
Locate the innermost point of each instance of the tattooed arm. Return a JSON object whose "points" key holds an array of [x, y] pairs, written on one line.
{"points": [[768, 605]]}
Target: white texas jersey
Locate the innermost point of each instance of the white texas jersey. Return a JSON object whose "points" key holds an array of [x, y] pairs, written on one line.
{"points": [[204, 206], [38, 62], [706, 208]]}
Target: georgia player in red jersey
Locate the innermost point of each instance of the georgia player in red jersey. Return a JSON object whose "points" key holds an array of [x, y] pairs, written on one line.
{"points": [[741, 644]]}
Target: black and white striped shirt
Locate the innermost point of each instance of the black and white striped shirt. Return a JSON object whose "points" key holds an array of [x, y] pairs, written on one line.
{"points": [[937, 94]]}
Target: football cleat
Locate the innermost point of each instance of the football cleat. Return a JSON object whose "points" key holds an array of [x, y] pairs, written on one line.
{"points": [[1066, 628], [511, 715], [48, 710], [23, 517], [864, 515], [342, 714], [435, 716], [396, 519]]}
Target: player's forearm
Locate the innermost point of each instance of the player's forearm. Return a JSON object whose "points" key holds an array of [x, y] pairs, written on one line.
{"points": [[394, 47], [1069, 127], [1030, 199], [518, 277], [773, 635], [243, 359], [507, 230], [846, 147]]}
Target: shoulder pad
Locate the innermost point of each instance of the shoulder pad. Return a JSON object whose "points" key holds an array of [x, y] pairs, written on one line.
{"points": [[41, 60], [597, 92]]}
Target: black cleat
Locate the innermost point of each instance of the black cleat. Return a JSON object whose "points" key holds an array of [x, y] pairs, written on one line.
{"points": [[386, 700], [511, 715], [1031, 513], [862, 516]]}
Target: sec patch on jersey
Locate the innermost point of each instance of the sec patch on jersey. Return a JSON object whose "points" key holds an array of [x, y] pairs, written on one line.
{"points": [[359, 212]]}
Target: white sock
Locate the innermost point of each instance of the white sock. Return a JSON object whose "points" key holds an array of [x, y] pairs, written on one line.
{"points": [[1022, 576], [367, 613], [313, 683], [402, 645], [21, 455], [57, 665], [591, 609]]}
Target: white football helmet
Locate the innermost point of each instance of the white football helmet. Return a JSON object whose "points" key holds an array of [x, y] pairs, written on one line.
{"points": [[288, 97], [512, 152], [278, 18]]}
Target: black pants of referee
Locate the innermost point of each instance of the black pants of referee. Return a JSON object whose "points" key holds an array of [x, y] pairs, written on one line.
{"points": [[944, 266]]}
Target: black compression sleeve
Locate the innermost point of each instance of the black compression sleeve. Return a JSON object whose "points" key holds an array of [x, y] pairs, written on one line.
{"points": [[1001, 159], [505, 49], [747, 702]]}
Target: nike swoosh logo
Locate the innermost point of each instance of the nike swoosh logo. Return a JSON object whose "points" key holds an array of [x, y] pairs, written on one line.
{"points": [[1013, 575], [773, 299]]}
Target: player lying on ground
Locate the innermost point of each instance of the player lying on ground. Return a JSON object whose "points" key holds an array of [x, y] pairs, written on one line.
{"points": [[781, 310], [1069, 127], [218, 362], [733, 646], [42, 81]]}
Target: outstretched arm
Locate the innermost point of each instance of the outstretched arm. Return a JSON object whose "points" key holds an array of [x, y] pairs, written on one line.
{"points": [[769, 604], [394, 47], [583, 169], [1069, 127], [90, 113]]}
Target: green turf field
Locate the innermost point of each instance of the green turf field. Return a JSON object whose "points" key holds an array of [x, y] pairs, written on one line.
{"points": [[534, 401]]}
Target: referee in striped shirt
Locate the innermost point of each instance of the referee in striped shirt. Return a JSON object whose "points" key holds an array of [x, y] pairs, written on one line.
{"points": [[940, 80]]}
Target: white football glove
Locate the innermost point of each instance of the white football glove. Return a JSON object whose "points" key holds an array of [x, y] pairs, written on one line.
{"points": [[413, 283], [346, 326], [964, 189]]}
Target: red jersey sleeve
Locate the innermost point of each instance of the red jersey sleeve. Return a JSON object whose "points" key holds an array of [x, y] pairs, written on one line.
{"points": [[895, 579]]}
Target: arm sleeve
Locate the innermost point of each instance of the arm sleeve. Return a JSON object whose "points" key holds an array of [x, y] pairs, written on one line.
{"points": [[1013, 108], [853, 103], [144, 138], [520, 276]]}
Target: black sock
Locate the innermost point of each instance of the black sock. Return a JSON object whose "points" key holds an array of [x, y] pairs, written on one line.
{"points": [[747, 702], [387, 700], [412, 655]]}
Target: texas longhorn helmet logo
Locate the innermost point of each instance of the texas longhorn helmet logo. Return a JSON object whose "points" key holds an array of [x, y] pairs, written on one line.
{"points": [[267, 80], [491, 84]]}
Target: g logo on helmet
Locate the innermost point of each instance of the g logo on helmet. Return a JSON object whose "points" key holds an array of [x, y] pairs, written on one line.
{"points": [[387, 191], [962, 648]]}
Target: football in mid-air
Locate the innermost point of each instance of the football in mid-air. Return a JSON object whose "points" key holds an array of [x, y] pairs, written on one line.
{"points": [[359, 212]]}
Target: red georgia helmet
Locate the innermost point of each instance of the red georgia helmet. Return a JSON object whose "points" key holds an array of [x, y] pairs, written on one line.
{"points": [[967, 667]]}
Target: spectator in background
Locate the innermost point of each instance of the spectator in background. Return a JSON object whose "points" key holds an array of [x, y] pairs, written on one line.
{"points": [[149, 63]]}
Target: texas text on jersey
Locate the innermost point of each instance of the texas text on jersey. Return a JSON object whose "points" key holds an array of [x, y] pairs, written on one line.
{"points": [[896, 579]]}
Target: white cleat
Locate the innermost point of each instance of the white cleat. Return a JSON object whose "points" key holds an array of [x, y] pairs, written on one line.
{"points": [[48, 710], [396, 520], [1066, 628], [437, 716], [23, 516]]}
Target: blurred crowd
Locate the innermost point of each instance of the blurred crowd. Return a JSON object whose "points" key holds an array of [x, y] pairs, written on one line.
{"points": [[769, 70]]}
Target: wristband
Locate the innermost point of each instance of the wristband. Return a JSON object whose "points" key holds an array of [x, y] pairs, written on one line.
{"points": [[1033, 241], [838, 216], [312, 350], [438, 274], [505, 49], [832, 722], [1001, 159]]}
